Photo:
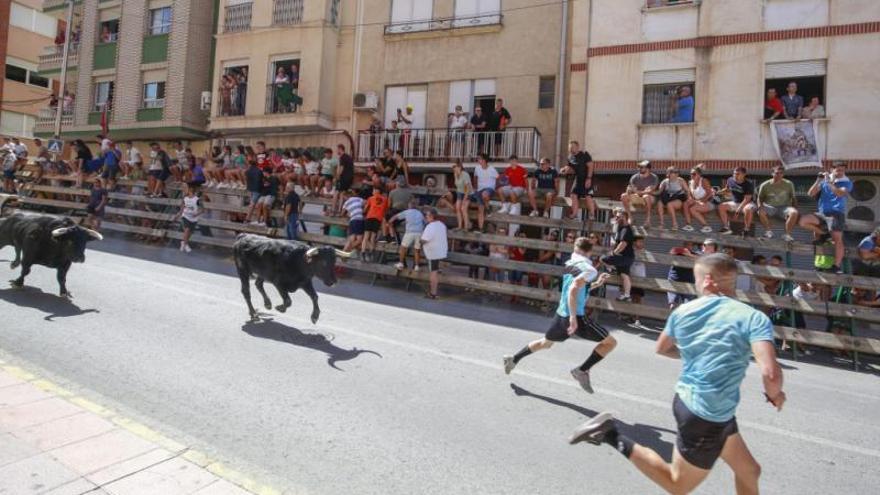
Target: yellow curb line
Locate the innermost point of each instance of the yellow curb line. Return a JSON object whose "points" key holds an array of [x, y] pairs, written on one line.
{"points": [[196, 457]]}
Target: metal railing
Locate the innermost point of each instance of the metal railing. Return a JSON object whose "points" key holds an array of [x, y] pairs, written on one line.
{"points": [[447, 144], [46, 119], [444, 23], [237, 18], [53, 55], [153, 103], [281, 98], [287, 12], [51, 4]]}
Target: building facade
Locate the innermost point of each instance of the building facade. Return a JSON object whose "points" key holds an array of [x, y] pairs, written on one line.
{"points": [[350, 61], [23, 90], [141, 66]]}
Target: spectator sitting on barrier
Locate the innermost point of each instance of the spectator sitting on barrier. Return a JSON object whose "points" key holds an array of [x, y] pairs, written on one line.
{"points": [[255, 179], [414, 225], [776, 198], [464, 188], [236, 174], [701, 200], [327, 189], [374, 218], [136, 173], [623, 254], [329, 164], [680, 274], [431, 198], [189, 214], [498, 252], [271, 185], [399, 200], [517, 185], [98, 198], [436, 246], [180, 162], [640, 191], [829, 222], [312, 177], [293, 206], [674, 193], [742, 192], [160, 169], [545, 185], [353, 205], [197, 175], [132, 161], [486, 181], [868, 261]]}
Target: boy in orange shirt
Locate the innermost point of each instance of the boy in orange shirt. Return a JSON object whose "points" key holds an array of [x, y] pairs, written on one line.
{"points": [[374, 214]]}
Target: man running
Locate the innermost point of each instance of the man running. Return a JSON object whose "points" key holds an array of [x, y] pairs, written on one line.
{"points": [[714, 336], [579, 273]]}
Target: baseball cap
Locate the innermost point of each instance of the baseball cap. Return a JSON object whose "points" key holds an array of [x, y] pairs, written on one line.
{"points": [[645, 163]]}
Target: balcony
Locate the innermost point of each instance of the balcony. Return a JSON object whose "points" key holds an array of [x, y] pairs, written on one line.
{"points": [[50, 60], [444, 24], [282, 98], [46, 120], [444, 145]]}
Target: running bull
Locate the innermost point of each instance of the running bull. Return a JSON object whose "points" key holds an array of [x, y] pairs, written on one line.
{"points": [[288, 265], [45, 240]]}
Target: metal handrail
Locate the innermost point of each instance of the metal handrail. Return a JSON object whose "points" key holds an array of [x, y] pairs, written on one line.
{"points": [[448, 144], [444, 23]]}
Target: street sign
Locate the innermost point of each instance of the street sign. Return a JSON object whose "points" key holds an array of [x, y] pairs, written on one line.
{"points": [[55, 146]]}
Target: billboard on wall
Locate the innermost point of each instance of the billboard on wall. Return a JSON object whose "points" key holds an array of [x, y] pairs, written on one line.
{"points": [[796, 143]]}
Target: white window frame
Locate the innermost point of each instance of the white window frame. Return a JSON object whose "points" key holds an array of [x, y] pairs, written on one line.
{"points": [[668, 79], [477, 13], [153, 102], [32, 20], [406, 18], [411, 96], [27, 124], [164, 27], [474, 89], [99, 106]]}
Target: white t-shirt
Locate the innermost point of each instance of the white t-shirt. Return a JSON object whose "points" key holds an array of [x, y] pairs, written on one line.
{"points": [[486, 177], [191, 208], [105, 145], [458, 122], [134, 156], [312, 168], [21, 150], [434, 241]]}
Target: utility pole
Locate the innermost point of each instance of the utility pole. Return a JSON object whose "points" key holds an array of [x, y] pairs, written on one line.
{"points": [[63, 83], [560, 92]]}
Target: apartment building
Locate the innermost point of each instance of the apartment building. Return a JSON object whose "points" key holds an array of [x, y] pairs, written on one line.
{"points": [[143, 65], [23, 90], [288, 70]]}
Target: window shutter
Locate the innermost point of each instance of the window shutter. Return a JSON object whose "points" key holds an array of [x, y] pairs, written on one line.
{"points": [[460, 94], [670, 76], [803, 68], [484, 87]]}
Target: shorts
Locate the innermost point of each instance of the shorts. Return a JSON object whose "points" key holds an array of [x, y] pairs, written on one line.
{"points": [[733, 205], [620, 263], [372, 225], [411, 240], [164, 174], [866, 268], [9, 174], [267, 200], [356, 227], [780, 212], [543, 192], [434, 265], [587, 329], [255, 197], [832, 221], [188, 224], [667, 198], [708, 204], [344, 183], [477, 197], [155, 174], [110, 172], [581, 191], [700, 441], [636, 200], [90, 209], [507, 190], [460, 196]]}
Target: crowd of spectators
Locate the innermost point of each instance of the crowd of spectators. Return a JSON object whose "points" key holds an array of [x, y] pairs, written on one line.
{"points": [[791, 105]]}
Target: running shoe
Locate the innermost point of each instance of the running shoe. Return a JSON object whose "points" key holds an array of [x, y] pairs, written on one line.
{"points": [[400, 266], [583, 378], [687, 228], [624, 298], [509, 364], [788, 238], [706, 229], [768, 234], [725, 231], [594, 430], [533, 213], [186, 248], [505, 208]]}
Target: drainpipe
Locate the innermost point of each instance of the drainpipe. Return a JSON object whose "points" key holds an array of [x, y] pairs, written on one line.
{"points": [[355, 84], [560, 94], [63, 83]]}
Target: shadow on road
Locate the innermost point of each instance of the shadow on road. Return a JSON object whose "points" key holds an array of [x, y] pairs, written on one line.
{"points": [[54, 306], [270, 329], [646, 435]]}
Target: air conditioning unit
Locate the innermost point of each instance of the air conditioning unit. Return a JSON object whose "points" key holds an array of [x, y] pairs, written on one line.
{"points": [[864, 200], [365, 101], [205, 104]]}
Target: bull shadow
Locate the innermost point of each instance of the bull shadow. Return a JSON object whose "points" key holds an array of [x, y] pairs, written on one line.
{"points": [[273, 330], [646, 435], [54, 306]]}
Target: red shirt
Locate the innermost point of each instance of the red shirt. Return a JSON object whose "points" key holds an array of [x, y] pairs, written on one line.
{"points": [[517, 254], [377, 206], [775, 105], [517, 176]]}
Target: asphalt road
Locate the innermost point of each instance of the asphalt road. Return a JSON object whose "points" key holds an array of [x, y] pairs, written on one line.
{"points": [[392, 393]]}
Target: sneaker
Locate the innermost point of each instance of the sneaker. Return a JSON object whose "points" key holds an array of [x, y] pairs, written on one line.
{"points": [[725, 231], [534, 213], [768, 234], [416, 268], [547, 214], [594, 430], [509, 364], [837, 270], [624, 298], [583, 378], [687, 228], [706, 229], [400, 266], [505, 208], [788, 238], [182, 244], [674, 228], [822, 239], [186, 248]]}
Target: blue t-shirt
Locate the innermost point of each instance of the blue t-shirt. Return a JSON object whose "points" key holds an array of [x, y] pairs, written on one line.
{"points": [[714, 335], [577, 267], [111, 159], [415, 221], [868, 244], [685, 112], [830, 202], [198, 173]]}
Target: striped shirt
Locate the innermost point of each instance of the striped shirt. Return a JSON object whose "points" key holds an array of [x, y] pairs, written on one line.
{"points": [[355, 208]]}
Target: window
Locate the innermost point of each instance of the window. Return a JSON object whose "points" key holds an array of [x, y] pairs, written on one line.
{"points": [[16, 124], [160, 20], [103, 95], [109, 32], [334, 12], [154, 94], [401, 97], [668, 96], [15, 73], [35, 79], [24, 72], [238, 16], [477, 12], [406, 14], [233, 89], [32, 20], [547, 92], [282, 91], [472, 94], [287, 12], [667, 3], [808, 76]]}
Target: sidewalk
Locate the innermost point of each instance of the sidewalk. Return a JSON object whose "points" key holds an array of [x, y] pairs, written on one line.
{"points": [[52, 442]]}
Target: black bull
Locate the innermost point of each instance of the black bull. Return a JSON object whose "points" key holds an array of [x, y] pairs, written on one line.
{"points": [[287, 265], [45, 240]]}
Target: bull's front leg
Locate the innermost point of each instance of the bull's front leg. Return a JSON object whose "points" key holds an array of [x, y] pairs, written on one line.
{"points": [[285, 297], [25, 270], [266, 302], [62, 281], [310, 290]]}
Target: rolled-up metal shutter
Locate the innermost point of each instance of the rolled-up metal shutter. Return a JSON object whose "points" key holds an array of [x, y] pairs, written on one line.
{"points": [[802, 68], [670, 76]]}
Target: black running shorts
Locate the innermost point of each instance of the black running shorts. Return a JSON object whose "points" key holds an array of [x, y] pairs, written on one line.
{"points": [[700, 441], [587, 329]]}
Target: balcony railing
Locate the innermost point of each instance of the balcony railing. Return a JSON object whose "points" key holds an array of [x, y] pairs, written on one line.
{"points": [[238, 18], [53, 55], [54, 4], [281, 98], [441, 24], [46, 119], [428, 145], [287, 12]]}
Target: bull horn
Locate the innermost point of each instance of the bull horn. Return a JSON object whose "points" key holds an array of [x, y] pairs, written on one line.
{"points": [[312, 252], [94, 233], [60, 231], [343, 254]]}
